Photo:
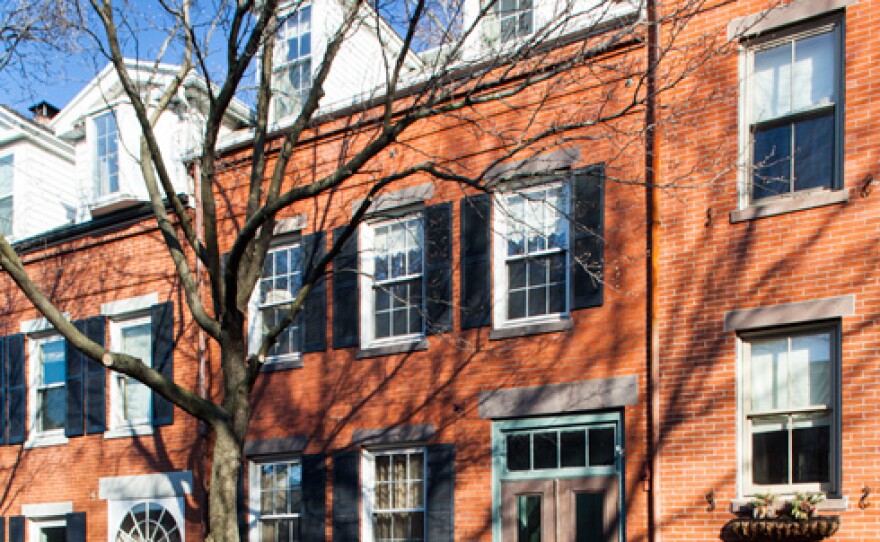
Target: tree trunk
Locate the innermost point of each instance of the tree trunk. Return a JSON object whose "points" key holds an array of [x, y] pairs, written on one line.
{"points": [[223, 493]]}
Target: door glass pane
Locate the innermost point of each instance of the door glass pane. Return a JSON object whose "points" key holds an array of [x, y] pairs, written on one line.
{"points": [[588, 521], [602, 446], [528, 518], [546, 450]]}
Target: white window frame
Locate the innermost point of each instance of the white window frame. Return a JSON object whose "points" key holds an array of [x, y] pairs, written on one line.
{"points": [[37, 436], [281, 66], [368, 487], [102, 185], [367, 267], [255, 493], [778, 38], [255, 314], [500, 258], [747, 487], [120, 427], [8, 161]]}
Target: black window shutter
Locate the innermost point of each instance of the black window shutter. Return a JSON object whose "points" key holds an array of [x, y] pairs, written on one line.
{"points": [[346, 317], [587, 237], [76, 527], [16, 529], [346, 496], [162, 317], [438, 268], [95, 380], [74, 360], [441, 493], [476, 268], [3, 404], [314, 489], [2, 529], [15, 388], [314, 311]]}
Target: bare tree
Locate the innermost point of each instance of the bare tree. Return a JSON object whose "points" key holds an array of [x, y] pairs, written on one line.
{"points": [[577, 78]]}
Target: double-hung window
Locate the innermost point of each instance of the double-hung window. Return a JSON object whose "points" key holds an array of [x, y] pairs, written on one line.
{"points": [[793, 111], [393, 271], [7, 176], [531, 252], [515, 18], [293, 61], [279, 284], [395, 495], [132, 400], [789, 407], [49, 394], [106, 154], [278, 486]]}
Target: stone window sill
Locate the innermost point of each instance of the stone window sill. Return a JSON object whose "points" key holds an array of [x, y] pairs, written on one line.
{"points": [[789, 204], [282, 364], [834, 504], [127, 431], [530, 329], [391, 349]]}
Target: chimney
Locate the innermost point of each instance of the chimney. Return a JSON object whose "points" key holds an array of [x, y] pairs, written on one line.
{"points": [[43, 112]]}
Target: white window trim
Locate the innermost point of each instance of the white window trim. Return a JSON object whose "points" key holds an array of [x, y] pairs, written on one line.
{"points": [[368, 486], [37, 438], [499, 260], [366, 269], [746, 70], [744, 473], [11, 194], [254, 488], [119, 428], [255, 315]]}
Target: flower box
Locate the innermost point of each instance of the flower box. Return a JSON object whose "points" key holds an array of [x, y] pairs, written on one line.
{"points": [[787, 529]]}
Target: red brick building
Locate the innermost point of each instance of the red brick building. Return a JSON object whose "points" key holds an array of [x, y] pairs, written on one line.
{"points": [[481, 367]]}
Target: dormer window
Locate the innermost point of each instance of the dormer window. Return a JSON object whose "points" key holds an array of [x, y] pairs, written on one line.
{"points": [[6, 182], [293, 62], [106, 155], [515, 18]]}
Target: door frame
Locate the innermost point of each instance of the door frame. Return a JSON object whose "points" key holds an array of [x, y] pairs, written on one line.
{"points": [[500, 474]]}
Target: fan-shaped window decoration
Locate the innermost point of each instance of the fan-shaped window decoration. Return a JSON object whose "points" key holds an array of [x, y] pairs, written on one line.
{"points": [[148, 522]]}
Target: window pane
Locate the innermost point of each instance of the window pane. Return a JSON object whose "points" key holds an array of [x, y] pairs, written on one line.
{"points": [[6, 210], [772, 162], [814, 152], [546, 450], [810, 370], [517, 274], [54, 408], [528, 518], [811, 450], [771, 83], [516, 305], [537, 301], [769, 452], [573, 448], [601, 446], [814, 71], [769, 374], [518, 452], [53, 361], [6, 174]]}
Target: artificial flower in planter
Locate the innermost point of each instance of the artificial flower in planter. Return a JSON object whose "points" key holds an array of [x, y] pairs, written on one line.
{"points": [[803, 506], [763, 505]]}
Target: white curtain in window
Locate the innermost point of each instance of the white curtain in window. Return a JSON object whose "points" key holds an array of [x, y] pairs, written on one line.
{"points": [[813, 74]]}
